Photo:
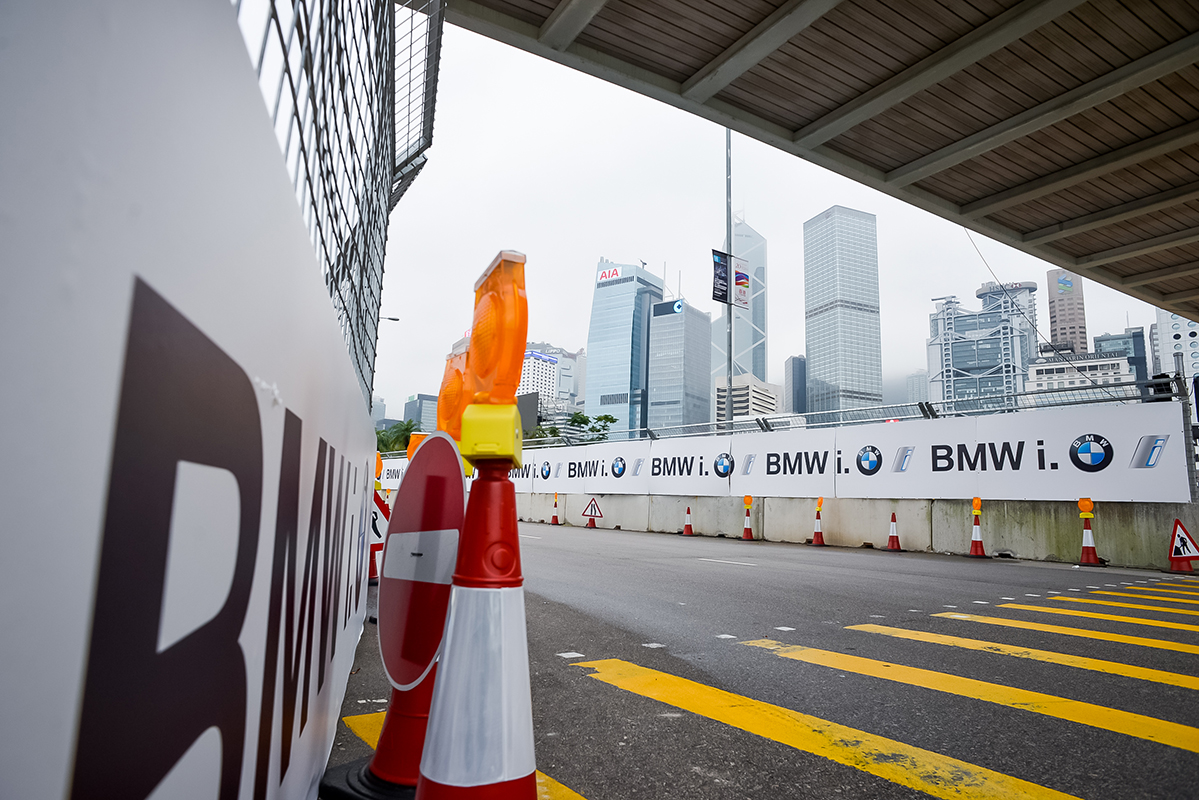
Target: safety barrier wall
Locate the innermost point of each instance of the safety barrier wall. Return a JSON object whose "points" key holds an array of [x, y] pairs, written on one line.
{"points": [[1126, 534]]}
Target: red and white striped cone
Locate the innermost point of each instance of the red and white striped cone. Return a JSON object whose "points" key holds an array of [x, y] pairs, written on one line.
{"points": [[687, 529], [479, 744], [1089, 557], [976, 542], [554, 521], [817, 535], [893, 539], [748, 533]]}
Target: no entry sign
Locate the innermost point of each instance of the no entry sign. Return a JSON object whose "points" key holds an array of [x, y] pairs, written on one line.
{"points": [[418, 561]]}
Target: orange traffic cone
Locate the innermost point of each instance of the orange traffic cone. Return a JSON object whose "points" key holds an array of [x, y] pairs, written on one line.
{"points": [[1089, 557], [748, 533], [893, 539], [554, 521], [976, 536], [687, 529], [818, 535], [480, 736], [590, 522]]}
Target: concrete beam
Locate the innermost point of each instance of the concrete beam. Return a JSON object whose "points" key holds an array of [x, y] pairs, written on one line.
{"points": [[1175, 239], [1010, 26], [1165, 273], [1181, 297], [1110, 216], [1157, 64], [567, 21], [747, 52]]}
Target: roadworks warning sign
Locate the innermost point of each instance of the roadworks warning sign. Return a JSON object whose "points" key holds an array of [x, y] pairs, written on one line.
{"points": [[593, 510], [1182, 544]]}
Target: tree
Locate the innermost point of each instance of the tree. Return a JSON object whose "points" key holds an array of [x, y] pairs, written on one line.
{"points": [[599, 427], [579, 420], [396, 437]]}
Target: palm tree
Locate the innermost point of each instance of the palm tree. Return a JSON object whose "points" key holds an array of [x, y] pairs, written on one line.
{"points": [[396, 437]]}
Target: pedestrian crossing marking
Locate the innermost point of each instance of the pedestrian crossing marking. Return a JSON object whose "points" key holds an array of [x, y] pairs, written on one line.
{"points": [[1070, 612], [1159, 589], [368, 728], [1139, 726], [1140, 641], [1129, 605], [1046, 656], [923, 770], [1151, 597]]}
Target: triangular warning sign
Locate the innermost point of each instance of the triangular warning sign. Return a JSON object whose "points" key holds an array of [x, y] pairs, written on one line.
{"points": [[592, 510], [1182, 544]]}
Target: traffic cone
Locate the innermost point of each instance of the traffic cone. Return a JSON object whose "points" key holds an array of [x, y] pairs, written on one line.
{"points": [[893, 539], [397, 755], [976, 542], [818, 536], [687, 529], [590, 522], [480, 736], [554, 521], [1179, 566], [747, 534], [1089, 557]]}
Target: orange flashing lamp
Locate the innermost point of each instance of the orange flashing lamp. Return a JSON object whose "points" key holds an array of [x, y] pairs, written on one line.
{"points": [[1085, 507], [414, 441], [450, 399], [497, 335], [977, 505], [819, 503]]}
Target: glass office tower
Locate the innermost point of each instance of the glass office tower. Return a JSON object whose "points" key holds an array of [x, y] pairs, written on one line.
{"points": [[795, 385], [678, 365], [618, 343], [844, 342], [749, 325]]}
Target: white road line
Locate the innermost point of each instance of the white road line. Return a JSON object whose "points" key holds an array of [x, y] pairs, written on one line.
{"points": [[1114, 586], [1050, 591], [1026, 594], [571, 654], [877, 616], [1094, 587], [528, 536], [959, 616], [916, 610], [725, 636], [981, 602], [784, 628], [653, 644], [948, 606], [722, 561], [1076, 590], [1007, 598]]}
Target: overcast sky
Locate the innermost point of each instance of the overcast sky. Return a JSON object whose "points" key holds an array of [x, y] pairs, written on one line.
{"points": [[531, 156]]}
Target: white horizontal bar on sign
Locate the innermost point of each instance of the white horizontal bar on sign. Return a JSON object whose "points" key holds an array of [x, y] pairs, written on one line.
{"points": [[425, 556]]}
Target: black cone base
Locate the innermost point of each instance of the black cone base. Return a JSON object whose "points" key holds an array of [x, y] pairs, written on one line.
{"points": [[355, 781]]}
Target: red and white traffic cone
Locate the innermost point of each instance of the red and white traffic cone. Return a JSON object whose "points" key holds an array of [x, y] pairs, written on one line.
{"points": [[893, 539], [590, 522], [748, 533], [817, 535], [397, 754], [479, 743], [1089, 557], [554, 521], [687, 529], [976, 542]]}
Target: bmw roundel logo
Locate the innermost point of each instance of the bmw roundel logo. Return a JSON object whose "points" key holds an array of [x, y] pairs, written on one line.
{"points": [[545, 470], [1091, 452], [617, 467], [869, 460], [723, 465]]}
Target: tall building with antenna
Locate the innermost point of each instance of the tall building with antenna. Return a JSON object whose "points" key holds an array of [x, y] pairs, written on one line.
{"points": [[1067, 310]]}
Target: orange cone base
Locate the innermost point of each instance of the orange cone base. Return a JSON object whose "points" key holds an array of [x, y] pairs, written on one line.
{"points": [[355, 781], [1090, 558], [687, 530], [519, 789], [1181, 568], [893, 545], [397, 756], [554, 521], [976, 550], [818, 540], [590, 522]]}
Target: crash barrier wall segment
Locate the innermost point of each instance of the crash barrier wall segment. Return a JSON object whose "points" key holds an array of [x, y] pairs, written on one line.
{"points": [[1126, 534]]}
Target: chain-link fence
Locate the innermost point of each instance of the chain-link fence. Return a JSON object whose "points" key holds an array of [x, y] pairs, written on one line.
{"points": [[350, 86]]}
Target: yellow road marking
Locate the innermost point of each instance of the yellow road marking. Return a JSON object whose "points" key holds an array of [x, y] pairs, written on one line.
{"points": [[368, 728], [1171, 591], [1126, 605], [1110, 719], [1070, 612], [923, 770], [1150, 597], [1160, 644], [1180, 586], [1047, 656]]}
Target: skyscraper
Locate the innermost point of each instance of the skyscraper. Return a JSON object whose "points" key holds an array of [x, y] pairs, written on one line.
{"points": [[618, 343], [1131, 343], [1177, 334], [918, 386], [749, 325], [1155, 358], [795, 385], [844, 343], [1067, 311], [556, 375], [678, 365], [983, 353], [423, 409]]}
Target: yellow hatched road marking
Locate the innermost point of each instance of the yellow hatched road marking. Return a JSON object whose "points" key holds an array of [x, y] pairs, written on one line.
{"points": [[1179, 585], [1126, 605], [1047, 656], [1070, 612], [368, 728], [923, 770], [1109, 719], [1149, 597], [1171, 591], [1160, 644]]}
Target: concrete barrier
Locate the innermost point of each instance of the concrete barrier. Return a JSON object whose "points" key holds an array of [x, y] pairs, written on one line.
{"points": [[1126, 534]]}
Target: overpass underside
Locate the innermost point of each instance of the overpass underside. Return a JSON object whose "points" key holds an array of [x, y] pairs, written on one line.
{"points": [[1067, 129]]}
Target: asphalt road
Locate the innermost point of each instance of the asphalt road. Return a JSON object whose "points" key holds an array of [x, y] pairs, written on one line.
{"points": [[675, 667]]}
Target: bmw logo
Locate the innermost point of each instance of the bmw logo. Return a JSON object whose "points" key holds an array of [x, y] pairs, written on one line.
{"points": [[723, 465], [1091, 452], [545, 470], [869, 460], [617, 467]]}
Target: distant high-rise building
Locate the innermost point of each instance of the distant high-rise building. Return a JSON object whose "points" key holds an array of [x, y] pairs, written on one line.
{"points": [[555, 374], [751, 398], [983, 353], [679, 359], [423, 409], [795, 385], [749, 325], [1067, 311], [378, 409], [844, 342], [1089, 369], [918, 386], [1131, 343], [1154, 350], [618, 343], [1177, 334]]}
